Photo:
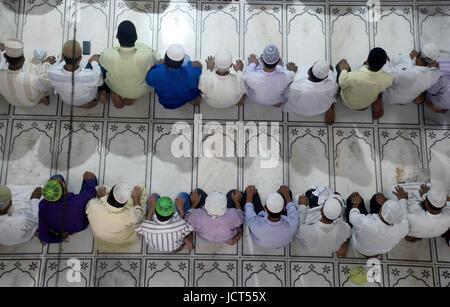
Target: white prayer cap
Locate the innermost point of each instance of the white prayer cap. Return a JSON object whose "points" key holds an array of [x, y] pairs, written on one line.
{"points": [[392, 212], [216, 204], [39, 54], [332, 208], [122, 193], [175, 52], [271, 55], [431, 51], [275, 202], [437, 198], [14, 48], [223, 60], [321, 69]]}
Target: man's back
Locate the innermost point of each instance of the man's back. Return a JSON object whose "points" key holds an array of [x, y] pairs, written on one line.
{"points": [[222, 91], [126, 68], [423, 224]]}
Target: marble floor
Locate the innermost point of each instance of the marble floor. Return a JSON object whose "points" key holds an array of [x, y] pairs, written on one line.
{"points": [[34, 142]]}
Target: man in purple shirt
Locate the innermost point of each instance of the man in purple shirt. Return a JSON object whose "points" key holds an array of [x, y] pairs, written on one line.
{"points": [[438, 96], [269, 228], [61, 213], [216, 218]]}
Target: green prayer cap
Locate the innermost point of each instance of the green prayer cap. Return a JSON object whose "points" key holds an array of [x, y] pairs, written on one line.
{"points": [[5, 194], [52, 191], [164, 206]]}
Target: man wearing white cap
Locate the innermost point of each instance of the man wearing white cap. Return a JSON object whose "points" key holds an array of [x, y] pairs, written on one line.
{"points": [[314, 95], [175, 80], [268, 227], [24, 85], [220, 88], [268, 77], [438, 96], [327, 235], [378, 233], [429, 216], [114, 214], [18, 213], [413, 75], [217, 219]]}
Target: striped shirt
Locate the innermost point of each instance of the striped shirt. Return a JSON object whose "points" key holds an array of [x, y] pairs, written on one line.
{"points": [[165, 236]]}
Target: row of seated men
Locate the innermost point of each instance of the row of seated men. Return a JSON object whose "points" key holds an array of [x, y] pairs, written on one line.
{"points": [[130, 71], [321, 221]]}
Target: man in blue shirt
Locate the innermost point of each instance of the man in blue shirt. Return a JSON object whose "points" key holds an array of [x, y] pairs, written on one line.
{"points": [[176, 82]]}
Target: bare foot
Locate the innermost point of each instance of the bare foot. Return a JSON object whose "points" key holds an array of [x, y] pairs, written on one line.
{"points": [[45, 100], [196, 101], [102, 97], [241, 101], [235, 239], [89, 105], [129, 102], [434, 108], [278, 105], [117, 100], [329, 116], [420, 99], [378, 109], [412, 239]]}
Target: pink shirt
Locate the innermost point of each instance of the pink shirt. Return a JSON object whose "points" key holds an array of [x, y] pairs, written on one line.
{"points": [[218, 230], [439, 94]]}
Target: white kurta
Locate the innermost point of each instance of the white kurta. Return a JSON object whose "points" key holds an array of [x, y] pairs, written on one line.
{"points": [[267, 88], [308, 98], [222, 91], [25, 87], [113, 228], [21, 223], [371, 236], [409, 80]]}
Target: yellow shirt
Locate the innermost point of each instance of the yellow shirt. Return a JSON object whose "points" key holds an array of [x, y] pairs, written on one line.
{"points": [[126, 69], [359, 89]]}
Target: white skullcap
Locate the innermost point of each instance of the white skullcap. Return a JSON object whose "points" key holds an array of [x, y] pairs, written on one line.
{"points": [[223, 60], [321, 69], [275, 202], [431, 51], [14, 48], [437, 197], [39, 54], [122, 193], [216, 204], [271, 55], [392, 212], [175, 52], [332, 208]]}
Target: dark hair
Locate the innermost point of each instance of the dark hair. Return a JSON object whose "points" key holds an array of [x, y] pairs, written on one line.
{"points": [[429, 205], [71, 61], [274, 215], [163, 218], [13, 61], [313, 199], [314, 78], [171, 63], [349, 206], [126, 34], [377, 58], [112, 201], [374, 206], [270, 66]]}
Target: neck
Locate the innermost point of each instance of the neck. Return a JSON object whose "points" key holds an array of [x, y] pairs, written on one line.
{"points": [[15, 67], [434, 212], [273, 219], [325, 221], [269, 70], [69, 67], [222, 73]]}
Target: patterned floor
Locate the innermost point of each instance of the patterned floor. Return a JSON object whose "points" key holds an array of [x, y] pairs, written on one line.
{"points": [[356, 153]]}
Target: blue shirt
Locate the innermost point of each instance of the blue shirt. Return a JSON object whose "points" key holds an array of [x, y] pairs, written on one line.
{"points": [[175, 87]]}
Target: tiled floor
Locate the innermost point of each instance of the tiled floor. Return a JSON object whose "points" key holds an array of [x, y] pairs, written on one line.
{"points": [[133, 144]]}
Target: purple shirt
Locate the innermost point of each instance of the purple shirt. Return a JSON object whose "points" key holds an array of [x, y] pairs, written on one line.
{"points": [[51, 214], [218, 230], [439, 94], [269, 234]]}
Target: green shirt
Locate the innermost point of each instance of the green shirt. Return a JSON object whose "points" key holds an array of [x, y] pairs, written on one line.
{"points": [[126, 69]]}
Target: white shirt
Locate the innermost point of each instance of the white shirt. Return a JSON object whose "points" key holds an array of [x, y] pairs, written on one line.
{"points": [[222, 91], [308, 98], [317, 238], [86, 83], [267, 88], [20, 225], [410, 80], [165, 236], [371, 236], [25, 87], [423, 224]]}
